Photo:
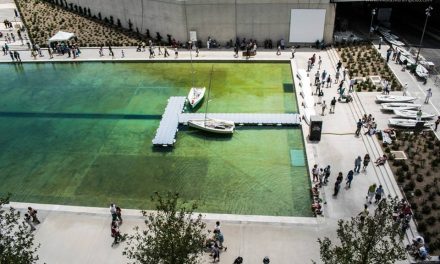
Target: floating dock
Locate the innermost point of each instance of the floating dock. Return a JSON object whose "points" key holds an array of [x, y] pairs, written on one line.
{"points": [[166, 133], [173, 116]]}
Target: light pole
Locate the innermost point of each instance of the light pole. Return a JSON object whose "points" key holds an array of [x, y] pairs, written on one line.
{"points": [[373, 12], [428, 14]]}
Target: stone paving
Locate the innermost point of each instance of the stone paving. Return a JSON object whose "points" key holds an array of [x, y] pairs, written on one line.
{"points": [[71, 234]]}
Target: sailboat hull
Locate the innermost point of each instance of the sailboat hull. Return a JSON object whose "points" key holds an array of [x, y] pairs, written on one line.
{"points": [[196, 95], [213, 125]]}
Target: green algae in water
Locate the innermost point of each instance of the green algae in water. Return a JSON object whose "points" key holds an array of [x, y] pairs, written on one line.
{"points": [[81, 134]]}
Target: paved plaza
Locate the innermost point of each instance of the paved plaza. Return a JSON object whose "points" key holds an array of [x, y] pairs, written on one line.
{"points": [[70, 234]]}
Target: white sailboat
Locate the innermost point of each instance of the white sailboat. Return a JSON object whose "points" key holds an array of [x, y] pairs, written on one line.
{"points": [[196, 95], [405, 122], [394, 98], [211, 124], [400, 106], [412, 114]]}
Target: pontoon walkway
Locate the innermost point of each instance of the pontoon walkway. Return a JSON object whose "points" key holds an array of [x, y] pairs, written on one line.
{"points": [[166, 133]]}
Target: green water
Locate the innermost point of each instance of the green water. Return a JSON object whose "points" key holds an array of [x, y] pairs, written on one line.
{"points": [[81, 134]]}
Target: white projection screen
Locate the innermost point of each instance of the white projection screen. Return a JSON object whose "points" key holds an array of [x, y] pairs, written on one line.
{"points": [[306, 25]]}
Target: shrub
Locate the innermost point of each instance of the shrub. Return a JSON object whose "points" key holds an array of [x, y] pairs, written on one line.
{"points": [[426, 209], [419, 178], [435, 206], [432, 196], [400, 179], [408, 175], [409, 186], [421, 227], [418, 192], [405, 167], [431, 220], [400, 172]]}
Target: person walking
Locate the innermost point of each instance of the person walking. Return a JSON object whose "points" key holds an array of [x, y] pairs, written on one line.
{"points": [[319, 62], [17, 55], [389, 51], [359, 126], [317, 74], [309, 65], [101, 53], [344, 73], [436, 123], [119, 214], [428, 95], [370, 193], [405, 89], [122, 53], [333, 105], [176, 53], [338, 65], [364, 214], [379, 194], [337, 184], [327, 172], [357, 164], [50, 53], [28, 220], [12, 55], [321, 176], [419, 115], [367, 160], [349, 179], [165, 52], [278, 50], [215, 253], [337, 77], [115, 233], [315, 172], [113, 212], [320, 96], [380, 42], [292, 50], [324, 106], [33, 213]]}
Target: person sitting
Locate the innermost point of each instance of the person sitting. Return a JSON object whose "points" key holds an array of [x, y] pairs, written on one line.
{"points": [[371, 131], [381, 160], [423, 253], [418, 241], [316, 208]]}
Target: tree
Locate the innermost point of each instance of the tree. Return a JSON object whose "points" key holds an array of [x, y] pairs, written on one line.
{"points": [[376, 238], [16, 240], [172, 235]]}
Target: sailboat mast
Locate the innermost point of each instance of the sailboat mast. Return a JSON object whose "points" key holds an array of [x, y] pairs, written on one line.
{"points": [[209, 93], [192, 67]]}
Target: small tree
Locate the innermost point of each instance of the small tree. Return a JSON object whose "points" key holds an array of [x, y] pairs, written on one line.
{"points": [[172, 236], [376, 238], [16, 240]]}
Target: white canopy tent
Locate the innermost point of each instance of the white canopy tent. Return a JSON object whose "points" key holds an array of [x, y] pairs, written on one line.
{"points": [[61, 36]]}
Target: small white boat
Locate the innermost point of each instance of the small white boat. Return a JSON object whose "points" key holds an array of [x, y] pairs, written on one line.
{"points": [[400, 106], [394, 98], [421, 71], [411, 114], [196, 95], [405, 122], [213, 125]]}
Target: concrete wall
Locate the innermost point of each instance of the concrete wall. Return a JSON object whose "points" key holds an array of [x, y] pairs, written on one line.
{"points": [[220, 19]]}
